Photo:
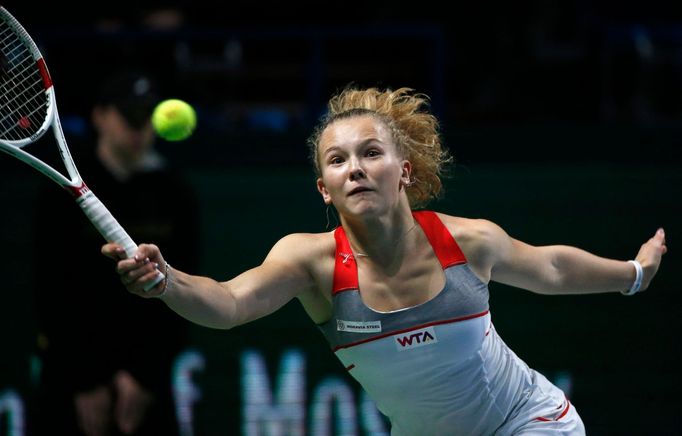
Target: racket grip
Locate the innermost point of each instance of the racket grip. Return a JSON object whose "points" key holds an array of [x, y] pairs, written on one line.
{"points": [[107, 225]]}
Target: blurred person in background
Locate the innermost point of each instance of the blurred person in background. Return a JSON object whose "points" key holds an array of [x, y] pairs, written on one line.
{"points": [[106, 358]]}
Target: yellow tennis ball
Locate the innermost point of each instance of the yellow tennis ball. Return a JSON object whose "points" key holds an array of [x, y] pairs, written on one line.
{"points": [[174, 120]]}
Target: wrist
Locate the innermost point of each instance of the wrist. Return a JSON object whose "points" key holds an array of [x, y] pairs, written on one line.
{"points": [[639, 276], [166, 281]]}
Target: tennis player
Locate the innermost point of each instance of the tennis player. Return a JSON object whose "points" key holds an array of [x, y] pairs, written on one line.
{"points": [[401, 293]]}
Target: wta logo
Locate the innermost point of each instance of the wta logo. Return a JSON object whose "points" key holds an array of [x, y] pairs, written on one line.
{"points": [[416, 339]]}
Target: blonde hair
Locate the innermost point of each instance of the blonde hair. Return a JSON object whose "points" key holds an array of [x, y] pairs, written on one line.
{"points": [[414, 129]]}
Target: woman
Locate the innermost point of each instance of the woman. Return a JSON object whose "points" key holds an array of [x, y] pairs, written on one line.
{"points": [[400, 295]]}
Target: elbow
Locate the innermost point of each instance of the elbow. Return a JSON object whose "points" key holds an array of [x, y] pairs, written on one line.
{"points": [[219, 310], [557, 276], [553, 278], [560, 274], [216, 323], [225, 326]]}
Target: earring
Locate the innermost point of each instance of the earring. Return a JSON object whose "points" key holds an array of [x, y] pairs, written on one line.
{"points": [[326, 213]]}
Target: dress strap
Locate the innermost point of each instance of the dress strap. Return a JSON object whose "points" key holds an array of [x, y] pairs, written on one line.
{"points": [[444, 245], [345, 268]]}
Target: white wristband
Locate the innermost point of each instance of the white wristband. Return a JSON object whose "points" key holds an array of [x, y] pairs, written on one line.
{"points": [[638, 279]]}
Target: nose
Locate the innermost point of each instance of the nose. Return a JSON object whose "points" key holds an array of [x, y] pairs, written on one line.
{"points": [[355, 170]]}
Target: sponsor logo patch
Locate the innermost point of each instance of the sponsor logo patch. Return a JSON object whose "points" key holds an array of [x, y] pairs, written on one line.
{"points": [[415, 339], [358, 326]]}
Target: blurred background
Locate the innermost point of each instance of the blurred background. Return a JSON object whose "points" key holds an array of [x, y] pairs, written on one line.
{"points": [[565, 119]]}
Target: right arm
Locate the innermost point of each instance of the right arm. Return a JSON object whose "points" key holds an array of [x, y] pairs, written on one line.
{"points": [[284, 274]]}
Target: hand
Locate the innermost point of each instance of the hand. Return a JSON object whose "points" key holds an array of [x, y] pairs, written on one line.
{"points": [[132, 402], [93, 411], [136, 272], [650, 256]]}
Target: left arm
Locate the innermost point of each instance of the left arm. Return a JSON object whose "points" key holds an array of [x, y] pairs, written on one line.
{"points": [[560, 269]]}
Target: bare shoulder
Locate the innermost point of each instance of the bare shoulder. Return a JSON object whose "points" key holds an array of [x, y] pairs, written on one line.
{"points": [[466, 230], [303, 246], [312, 252]]}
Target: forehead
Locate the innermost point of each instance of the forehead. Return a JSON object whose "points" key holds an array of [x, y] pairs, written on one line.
{"points": [[353, 130]]}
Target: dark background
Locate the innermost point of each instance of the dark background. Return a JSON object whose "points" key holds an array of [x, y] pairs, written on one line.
{"points": [[565, 119]]}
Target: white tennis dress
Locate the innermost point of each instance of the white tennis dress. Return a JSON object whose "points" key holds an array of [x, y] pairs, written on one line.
{"points": [[440, 368]]}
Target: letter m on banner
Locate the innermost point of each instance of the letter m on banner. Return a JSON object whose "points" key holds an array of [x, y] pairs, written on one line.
{"points": [[278, 413]]}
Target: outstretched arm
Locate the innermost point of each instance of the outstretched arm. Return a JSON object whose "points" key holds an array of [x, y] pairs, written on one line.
{"points": [[282, 276], [560, 269]]}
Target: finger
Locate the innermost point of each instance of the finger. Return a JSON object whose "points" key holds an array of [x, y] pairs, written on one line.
{"points": [[141, 285], [146, 250], [660, 234], [114, 251], [140, 271], [121, 253], [149, 278], [129, 264], [111, 250]]}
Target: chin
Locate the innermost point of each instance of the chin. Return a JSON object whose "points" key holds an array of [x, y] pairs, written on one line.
{"points": [[361, 209]]}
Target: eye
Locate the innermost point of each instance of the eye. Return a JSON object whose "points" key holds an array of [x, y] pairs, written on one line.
{"points": [[335, 160], [372, 152]]}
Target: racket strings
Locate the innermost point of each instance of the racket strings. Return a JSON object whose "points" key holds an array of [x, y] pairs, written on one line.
{"points": [[23, 97]]}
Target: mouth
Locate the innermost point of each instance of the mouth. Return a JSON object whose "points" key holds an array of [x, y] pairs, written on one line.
{"points": [[358, 190]]}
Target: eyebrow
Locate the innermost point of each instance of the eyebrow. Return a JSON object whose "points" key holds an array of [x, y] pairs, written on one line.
{"points": [[361, 144], [330, 149]]}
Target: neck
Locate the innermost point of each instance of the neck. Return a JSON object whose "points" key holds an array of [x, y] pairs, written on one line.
{"points": [[381, 239]]}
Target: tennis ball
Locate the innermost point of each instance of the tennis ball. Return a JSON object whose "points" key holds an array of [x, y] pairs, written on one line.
{"points": [[174, 120]]}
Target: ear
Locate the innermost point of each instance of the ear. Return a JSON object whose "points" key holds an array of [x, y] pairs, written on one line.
{"points": [[323, 191], [406, 175]]}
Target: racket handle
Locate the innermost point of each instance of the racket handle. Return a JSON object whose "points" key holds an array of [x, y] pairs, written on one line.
{"points": [[107, 225]]}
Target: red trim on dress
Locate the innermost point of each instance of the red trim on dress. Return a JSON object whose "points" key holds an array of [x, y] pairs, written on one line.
{"points": [[563, 413], [409, 329]]}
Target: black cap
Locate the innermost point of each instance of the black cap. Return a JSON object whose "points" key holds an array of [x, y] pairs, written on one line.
{"points": [[134, 94]]}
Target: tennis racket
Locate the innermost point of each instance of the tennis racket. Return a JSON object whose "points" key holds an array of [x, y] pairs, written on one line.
{"points": [[28, 108]]}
